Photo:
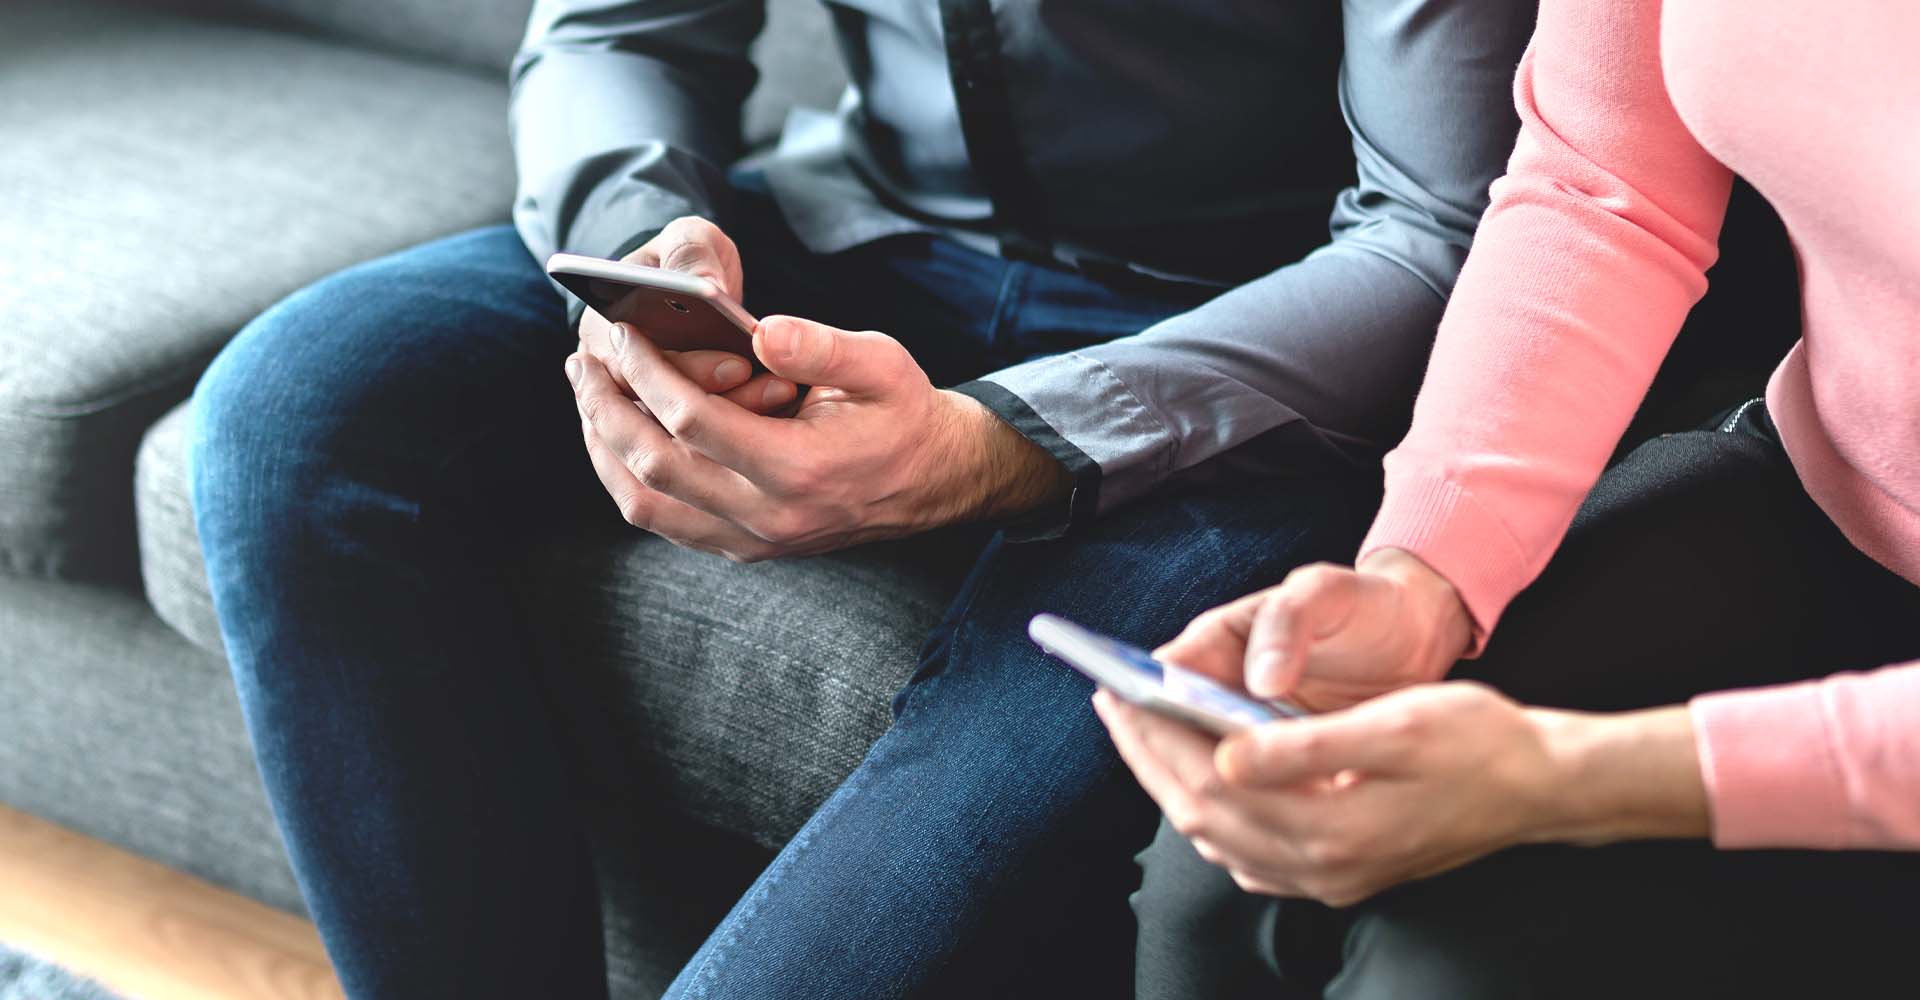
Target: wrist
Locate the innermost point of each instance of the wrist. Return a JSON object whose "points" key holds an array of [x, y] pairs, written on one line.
{"points": [[1434, 602], [1619, 776], [1005, 474]]}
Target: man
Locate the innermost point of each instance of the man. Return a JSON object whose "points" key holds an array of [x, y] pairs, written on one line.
{"points": [[1103, 224]]}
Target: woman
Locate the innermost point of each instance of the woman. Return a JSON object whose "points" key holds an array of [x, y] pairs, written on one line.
{"points": [[1777, 547]]}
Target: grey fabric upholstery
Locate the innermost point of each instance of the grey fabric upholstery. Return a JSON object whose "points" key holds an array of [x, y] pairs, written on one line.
{"points": [[170, 564], [117, 728], [742, 695], [796, 53], [738, 695], [481, 34], [151, 210]]}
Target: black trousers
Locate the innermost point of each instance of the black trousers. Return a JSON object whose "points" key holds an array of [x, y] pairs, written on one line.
{"points": [[1698, 563]]}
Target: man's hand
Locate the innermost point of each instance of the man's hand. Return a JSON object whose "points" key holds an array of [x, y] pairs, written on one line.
{"points": [[1329, 636], [874, 450], [1341, 806]]}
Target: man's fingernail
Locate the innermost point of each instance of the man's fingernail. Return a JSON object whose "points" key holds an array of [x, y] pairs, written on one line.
{"points": [[768, 333], [573, 369], [776, 393], [618, 334], [782, 338], [730, 371]]}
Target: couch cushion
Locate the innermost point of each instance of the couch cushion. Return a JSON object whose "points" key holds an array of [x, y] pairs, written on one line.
{"points": [[166, 179], [796, 55], [170, 565], [481, 34], [739, 694], [742, 695]]}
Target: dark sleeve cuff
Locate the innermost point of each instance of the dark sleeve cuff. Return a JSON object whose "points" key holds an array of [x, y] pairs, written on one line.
{"points": [[577, 308], [1082, 500]]}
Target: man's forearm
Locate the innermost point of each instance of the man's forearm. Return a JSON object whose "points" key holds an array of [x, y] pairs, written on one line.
{"points": [[1006, 475]]}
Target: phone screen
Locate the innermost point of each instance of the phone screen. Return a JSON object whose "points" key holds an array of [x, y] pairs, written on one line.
{"points": [[1134, 674]]}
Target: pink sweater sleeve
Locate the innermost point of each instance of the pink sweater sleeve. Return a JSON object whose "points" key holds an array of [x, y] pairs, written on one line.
{"points": [[1594, 247], [1825, 764]]}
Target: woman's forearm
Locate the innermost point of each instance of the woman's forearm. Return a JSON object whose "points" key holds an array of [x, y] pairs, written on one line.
{"points": [[1623, 776]]}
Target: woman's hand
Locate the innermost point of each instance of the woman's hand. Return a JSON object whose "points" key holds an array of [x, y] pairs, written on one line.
{"points": [[1341, 806], [1329, 636]]}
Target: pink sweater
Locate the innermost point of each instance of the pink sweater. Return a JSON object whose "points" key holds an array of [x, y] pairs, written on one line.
{"points": [[1633, 119]]}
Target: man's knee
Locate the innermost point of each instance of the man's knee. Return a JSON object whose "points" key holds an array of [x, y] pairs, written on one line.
{"points": [[396, 361], [282, 412], [244, 422]]}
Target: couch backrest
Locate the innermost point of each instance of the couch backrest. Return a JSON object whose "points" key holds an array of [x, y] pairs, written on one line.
{"points": [[798, 61], [478, 33]]}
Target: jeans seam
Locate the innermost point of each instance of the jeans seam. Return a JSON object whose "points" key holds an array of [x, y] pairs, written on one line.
{"points": [[707, 972], [1005, 303], [953, 623]]}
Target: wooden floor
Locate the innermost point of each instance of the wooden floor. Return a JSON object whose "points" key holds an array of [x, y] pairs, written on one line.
{"points": [[146, 930]]}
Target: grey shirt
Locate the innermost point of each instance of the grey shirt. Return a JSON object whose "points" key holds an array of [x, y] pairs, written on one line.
{"points": [[1329, 163]]}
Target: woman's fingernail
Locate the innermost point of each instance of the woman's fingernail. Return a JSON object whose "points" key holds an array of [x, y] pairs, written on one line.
{"points": [[776, 393], [618, 334], [573, 369], [1263, 673], [1232, 756], [730, 372]]}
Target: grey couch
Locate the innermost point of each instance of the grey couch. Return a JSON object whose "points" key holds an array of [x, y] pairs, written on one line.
{"points": [[168, 171]]}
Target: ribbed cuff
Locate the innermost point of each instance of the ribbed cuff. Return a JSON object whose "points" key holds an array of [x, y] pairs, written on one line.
{"points": [[1082, 501], [1438, 521], [1771, 777]]}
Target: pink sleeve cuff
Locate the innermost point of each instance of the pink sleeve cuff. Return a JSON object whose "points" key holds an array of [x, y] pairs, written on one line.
{"points": [[1769, 768], [1438, 521]]}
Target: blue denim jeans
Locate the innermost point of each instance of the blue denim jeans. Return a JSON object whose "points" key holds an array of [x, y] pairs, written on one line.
{"points": [[369, 456]]}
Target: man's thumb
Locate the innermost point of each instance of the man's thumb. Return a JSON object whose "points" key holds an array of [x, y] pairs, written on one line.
{"points": [[800, 350]]}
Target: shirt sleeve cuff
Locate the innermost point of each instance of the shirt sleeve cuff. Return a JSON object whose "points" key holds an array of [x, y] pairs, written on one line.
{"points": [[1082, 500], [1082, 413], [1769, 769], [1440, 522]]}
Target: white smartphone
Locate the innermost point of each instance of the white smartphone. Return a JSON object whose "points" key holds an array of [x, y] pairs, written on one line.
{"points": [[1134, 675], [678, 312]]}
